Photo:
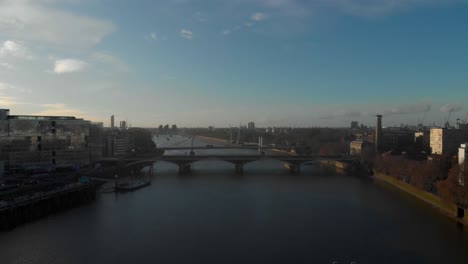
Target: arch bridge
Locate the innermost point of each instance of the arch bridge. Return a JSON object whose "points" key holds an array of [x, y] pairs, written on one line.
{"points": [[184, 161]]}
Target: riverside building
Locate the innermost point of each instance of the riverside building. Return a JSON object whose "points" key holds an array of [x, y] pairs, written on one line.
{"points": [[28, 141]]}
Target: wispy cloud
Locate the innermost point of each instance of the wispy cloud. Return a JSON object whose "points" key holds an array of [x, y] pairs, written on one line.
{"points": [[254, 18], [14, 49], [6, 86], [42, 21], [363, 8], [59, 109], [404, 109], [451, 108], [185, 33], [7, 65], [7, 101], [69, 66], [383, 7], [200, 17], [153, 36], [109, 61], [258, 16], [344, 114], [409, 109]]}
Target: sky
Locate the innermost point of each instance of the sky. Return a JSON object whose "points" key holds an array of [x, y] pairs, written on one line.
{"points": [[197, 63]]}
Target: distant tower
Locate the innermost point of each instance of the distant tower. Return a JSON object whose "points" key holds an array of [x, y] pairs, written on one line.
{"points": [[378, 134], [112, 121]]}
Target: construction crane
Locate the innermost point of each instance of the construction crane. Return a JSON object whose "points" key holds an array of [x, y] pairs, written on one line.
{"points": [[447, 123], [462, 121]]}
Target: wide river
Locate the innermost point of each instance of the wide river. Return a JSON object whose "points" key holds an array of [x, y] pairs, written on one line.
{"points": [[265, 216]]}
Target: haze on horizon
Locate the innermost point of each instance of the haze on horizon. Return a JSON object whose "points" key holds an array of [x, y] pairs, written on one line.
{"points": [[199, 63]]}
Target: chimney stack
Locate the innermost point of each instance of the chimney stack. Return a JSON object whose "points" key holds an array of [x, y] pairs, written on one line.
{"points": [[378, 134]]}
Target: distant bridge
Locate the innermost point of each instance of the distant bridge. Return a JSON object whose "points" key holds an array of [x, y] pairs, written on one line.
{"points": [[184, 161], [209, 147]]}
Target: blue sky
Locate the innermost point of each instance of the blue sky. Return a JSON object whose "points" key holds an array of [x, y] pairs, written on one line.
{"points": [[200, 63]]}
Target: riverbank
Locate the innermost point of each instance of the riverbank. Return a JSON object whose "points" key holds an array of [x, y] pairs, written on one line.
{"points": [[429, 198], [337, 164]]}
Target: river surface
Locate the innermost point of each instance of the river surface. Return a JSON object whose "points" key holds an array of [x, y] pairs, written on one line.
{"points": [[265, 216]]}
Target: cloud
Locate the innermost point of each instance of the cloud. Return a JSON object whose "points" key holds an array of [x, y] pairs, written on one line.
{"points": [[258, 16], [7, 101], [14, 49], [7, 65], [363, 8], [69, 66], [344, 114], [185, 33], [108, 59], [372, 8], [153, 36], [405, 109], [295, 8], [6, 86], [408, 109], [200, 17], [59, 109], [451, 108], [40, 20]]}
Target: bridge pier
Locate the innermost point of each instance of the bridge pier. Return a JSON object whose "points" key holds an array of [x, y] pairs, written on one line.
{"points": [[151, 169], [295, 168], [239, 168], [184, 168]]}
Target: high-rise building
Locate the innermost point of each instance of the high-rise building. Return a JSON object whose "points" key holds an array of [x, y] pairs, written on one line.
{"points": [[112, 121], [123, 125], [251, 125], [445, 141], [378, 134], [354, 125]]}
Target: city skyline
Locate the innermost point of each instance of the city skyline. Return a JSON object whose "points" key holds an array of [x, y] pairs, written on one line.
{"points": [[273, 62]]}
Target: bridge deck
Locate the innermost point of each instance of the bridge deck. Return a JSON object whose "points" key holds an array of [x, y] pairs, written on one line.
{"points": [[231, 158], [217, 147]]}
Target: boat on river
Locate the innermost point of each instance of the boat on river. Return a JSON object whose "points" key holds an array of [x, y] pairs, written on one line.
{"points": [[130, 187]]}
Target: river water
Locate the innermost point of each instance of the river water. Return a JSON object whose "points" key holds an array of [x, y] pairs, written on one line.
{"points": [[265, 216]]}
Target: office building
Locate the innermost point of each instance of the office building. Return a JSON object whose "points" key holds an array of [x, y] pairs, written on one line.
{"points": [[43, 141], [251, 125], [123, 125], [396, 140], [118, 143], [112, 122]]}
